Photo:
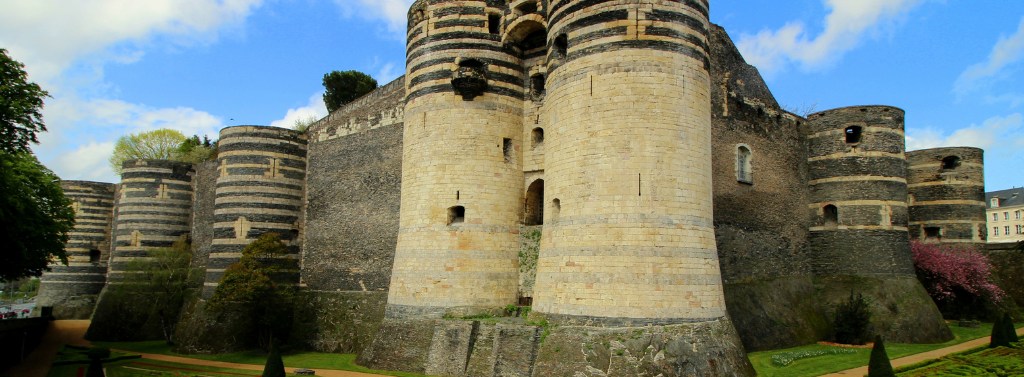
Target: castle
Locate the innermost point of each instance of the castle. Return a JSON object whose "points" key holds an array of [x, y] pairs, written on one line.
{"points": [[615, 165]]}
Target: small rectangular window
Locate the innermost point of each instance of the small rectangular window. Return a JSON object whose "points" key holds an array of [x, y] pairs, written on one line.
{"points": [[1006, 230], [1006, 215], [995, 217], [932, 232], [995, 231], [1017, 215], [493, 23]]}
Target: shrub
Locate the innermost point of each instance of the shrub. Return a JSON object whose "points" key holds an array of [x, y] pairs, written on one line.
{"points": [[998, 337], [879, 365], [274, 366], [851, 320], [1009, 330], [958, 278]]}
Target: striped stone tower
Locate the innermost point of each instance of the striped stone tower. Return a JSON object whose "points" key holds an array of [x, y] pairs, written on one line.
{"points": [[71, 290], [629, 243], [259, 190], [857, 173], [461, 175], [947, 195], [153, 210]]}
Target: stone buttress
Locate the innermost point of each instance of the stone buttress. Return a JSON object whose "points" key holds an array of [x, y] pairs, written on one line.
{"points": [[947, 195], [72, 290], [858, 206]]}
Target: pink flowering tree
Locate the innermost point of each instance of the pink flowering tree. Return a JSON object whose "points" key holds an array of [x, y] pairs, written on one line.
{"points": [[958, 278]]}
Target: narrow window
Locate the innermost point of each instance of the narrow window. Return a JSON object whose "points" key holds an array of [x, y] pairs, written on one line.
{"points": [[831, 214], [1017, 215], [456, 215], [1006, 215], [94, 256], [493, 23], [743, 171], [507, 149], [853, 134], [950, 162], [535, 203], [556, 208], [995, 231], [932, 232], [995, 203], [561, 45], [537, 85], [1006, 230], [995, 217], [538, 136]]}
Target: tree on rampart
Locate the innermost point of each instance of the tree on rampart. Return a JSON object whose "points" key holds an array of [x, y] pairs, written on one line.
{"points": [[343, 87], [958, 278], [35, 216], [159, 144], [252, 288]]}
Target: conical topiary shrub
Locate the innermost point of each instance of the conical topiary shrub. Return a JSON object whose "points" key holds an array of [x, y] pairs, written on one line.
{"points": [[1010, 329], [274, 366], [998, 337], [879, 365]]}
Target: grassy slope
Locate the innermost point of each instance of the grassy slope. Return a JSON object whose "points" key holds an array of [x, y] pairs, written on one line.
{"points": [[311, 360], [817, 366]]}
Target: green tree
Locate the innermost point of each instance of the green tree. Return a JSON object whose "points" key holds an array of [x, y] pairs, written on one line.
{"points": [[194, 150], [343, 87], [21, 105], [35, 216], [159, 144], [147, 299], [878, 364], [851, 319], [254, 289], [998, 337]]}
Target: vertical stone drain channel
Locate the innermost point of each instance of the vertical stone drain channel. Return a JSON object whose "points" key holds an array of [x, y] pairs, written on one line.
{"points": [[947, 195], [153, 209], [72, 290], [858, 203], [259, 190]]}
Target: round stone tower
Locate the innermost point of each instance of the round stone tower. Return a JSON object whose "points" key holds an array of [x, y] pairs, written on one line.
{"points": [[71, 290], [947, 195], [629, 240], [858, 205], [259, 190], [857, 173], [153, 210], [461, 174]]}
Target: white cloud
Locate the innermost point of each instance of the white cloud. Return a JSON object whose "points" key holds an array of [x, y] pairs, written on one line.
{"points": [[387, 73], [392, 12], [87, 162], [314, 110], [1006, 52], [845, 27], [81, 133], [996, 135], [51, 35]]}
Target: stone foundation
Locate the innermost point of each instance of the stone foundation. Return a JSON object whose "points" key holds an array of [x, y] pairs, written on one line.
{"points": [[901, 310]]}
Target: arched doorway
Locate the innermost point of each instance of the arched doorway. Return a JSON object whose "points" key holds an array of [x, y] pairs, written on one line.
{"points": [[535, 203]]}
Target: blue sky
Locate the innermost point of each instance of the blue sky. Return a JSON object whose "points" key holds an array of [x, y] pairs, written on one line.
{"points": [[120, 66]]}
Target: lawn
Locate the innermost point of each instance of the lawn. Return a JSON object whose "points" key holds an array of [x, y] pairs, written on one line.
{"points": [[311, 360], [829, 361], [999, 361]]}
